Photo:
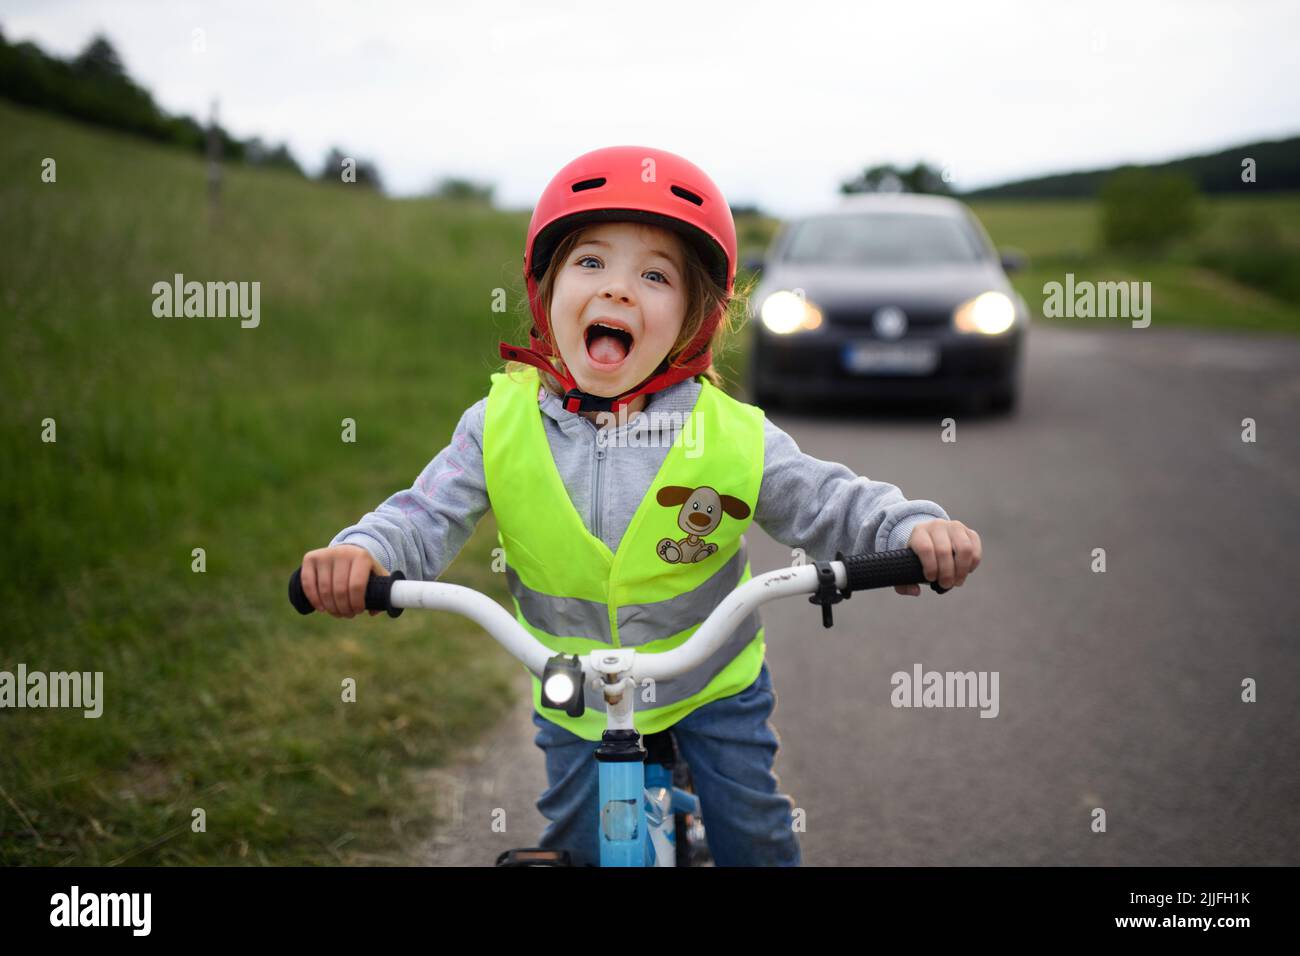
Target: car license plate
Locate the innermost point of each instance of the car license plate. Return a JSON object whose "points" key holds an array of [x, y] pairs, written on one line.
{"points": [[897, 359]]}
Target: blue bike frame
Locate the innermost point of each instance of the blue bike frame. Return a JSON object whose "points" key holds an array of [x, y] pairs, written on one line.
{"points": [[638, 808]]}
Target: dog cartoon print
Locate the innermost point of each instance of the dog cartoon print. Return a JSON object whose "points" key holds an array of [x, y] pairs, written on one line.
{"points": [[701, 512]]}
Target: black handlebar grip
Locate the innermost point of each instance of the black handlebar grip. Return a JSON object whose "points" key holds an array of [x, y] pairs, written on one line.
{"points": [[378, 590], [297, 596], [885, 569]]}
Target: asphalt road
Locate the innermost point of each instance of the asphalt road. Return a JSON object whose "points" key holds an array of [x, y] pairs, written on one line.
{"points": [[1118, 690]]}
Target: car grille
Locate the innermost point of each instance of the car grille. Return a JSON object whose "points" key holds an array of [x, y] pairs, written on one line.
{"points": [[919, 323]]}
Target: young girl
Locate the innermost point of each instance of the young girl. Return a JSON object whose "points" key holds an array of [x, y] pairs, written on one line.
{"points": [[622, 479]]}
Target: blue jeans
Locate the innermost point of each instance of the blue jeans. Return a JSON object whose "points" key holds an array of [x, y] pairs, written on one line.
{"points": [[729, 746]]}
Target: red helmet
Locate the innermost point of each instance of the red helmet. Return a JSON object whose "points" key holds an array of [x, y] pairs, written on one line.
{"points": [[638, 184]]}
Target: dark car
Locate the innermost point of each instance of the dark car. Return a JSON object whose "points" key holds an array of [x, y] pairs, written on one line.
{"points": [[888, 296]]}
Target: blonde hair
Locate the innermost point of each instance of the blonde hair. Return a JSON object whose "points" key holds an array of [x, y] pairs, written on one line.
{"points": [[703, 297]]}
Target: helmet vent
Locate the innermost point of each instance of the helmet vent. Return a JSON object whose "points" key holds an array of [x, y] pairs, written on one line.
{"points": [[687, 195], [589, 184]]}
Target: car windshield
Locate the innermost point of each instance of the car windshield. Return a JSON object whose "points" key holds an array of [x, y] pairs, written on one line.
{"points": [[884, 239]]}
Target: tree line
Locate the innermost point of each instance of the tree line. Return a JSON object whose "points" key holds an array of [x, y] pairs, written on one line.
{"points": [[94, 87]]}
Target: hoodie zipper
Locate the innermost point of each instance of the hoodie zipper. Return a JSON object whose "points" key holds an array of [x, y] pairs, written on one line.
{"points": [[596, 502]]}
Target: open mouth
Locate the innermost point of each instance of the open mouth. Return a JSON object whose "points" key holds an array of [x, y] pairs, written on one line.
{"points": [[607, 346]]}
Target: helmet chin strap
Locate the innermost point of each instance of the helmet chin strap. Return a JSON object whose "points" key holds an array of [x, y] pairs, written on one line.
{"points": [[576, 400]]}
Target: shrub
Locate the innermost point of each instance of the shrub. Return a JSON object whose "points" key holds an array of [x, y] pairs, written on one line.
{"points": [[1142, 210], [1255, 253]]}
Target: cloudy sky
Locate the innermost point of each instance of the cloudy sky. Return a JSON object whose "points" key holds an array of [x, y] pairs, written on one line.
{"points": [[778, 102]]}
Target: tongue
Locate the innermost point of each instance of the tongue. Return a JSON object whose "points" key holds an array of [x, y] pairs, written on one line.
{"points": [[607, 348]]}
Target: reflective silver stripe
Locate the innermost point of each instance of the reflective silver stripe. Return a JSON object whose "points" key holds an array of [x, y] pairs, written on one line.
{"points": [[638, 624], [679, 688], [642, 623], [561, 616]]}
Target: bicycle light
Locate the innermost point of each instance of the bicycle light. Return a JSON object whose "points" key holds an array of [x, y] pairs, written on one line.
{"points": [[562, 685]]}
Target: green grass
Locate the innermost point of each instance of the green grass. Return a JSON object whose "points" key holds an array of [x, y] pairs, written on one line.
{"points": [[1061, 237], [175, 434]]}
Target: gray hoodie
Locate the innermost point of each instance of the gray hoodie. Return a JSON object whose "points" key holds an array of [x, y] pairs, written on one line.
{"points": [[804, 502]]}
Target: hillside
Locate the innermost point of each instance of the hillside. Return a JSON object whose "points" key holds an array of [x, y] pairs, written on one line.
{"points": [[1277, 169], [182, 433]]}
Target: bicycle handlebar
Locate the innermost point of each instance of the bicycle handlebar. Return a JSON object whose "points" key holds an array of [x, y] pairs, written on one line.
{"points": [[827, 581], [861, 572]]}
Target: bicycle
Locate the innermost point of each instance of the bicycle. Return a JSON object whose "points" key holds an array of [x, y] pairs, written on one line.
{"points": [[648, 815]]}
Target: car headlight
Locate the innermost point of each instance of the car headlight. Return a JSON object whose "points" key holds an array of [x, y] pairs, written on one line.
{"points": [[785, 312], [991, 313]]}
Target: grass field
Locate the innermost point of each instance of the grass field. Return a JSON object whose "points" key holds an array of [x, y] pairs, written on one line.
{"points": [[1061, 236], [175, 434]]}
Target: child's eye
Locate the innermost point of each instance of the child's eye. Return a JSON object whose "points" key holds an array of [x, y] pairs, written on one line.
{"points": [[662, 277]]}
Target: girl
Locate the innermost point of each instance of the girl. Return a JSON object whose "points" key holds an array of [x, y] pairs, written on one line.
{"points": [[622, 479]]}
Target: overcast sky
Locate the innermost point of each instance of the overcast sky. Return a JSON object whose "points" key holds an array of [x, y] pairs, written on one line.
{"points": [[778, 102]]}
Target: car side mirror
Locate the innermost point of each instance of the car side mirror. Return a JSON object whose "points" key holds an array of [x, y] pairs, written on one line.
{"points": [[1013, 260]]}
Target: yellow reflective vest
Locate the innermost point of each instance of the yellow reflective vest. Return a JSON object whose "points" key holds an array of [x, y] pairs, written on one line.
{"points": [[682, 553]]}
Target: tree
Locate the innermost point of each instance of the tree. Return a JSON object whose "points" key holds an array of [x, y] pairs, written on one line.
{"points": [[1145, 210], [359, 171], [466, 190], [100, 59], [888, 178], [94, 87], [259, 153]]}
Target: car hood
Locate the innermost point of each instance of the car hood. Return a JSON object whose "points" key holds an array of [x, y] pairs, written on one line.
{"points": [[927, 287]]}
